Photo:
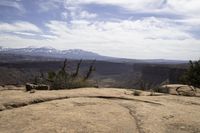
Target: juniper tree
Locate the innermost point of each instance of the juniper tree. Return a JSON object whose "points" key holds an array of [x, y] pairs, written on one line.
{"points": [[66, 79], [192, 75]]}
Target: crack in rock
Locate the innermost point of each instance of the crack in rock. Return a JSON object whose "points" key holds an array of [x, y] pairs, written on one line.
{"points": [[13, 105], [133, 115]]}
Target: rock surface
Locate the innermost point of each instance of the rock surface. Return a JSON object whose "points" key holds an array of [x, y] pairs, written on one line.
{"points": [[91, 110], [180, 89]]}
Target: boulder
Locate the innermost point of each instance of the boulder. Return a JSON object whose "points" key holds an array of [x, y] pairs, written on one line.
{"points": [[178, 89], [1, 88], [30, 87]]}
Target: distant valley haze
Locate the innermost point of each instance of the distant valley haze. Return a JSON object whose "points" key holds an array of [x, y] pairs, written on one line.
{"points": [[128, 29]]}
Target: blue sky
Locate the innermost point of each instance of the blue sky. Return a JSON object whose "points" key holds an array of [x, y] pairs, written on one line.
{"points": [[139, 29]]}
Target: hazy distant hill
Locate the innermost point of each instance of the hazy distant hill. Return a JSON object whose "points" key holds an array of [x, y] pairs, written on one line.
{"points": [[48, 53], [54, 53]]}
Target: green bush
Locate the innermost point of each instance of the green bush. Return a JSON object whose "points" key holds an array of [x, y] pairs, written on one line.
{"points": [[137, 93], [64, 79], [192, 76]]}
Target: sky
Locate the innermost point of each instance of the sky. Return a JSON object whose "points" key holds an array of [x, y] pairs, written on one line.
{"points": [[137, 29]]}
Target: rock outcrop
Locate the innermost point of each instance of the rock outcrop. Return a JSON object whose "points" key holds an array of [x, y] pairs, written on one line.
{"points": [[30, 87], [178, 89]]}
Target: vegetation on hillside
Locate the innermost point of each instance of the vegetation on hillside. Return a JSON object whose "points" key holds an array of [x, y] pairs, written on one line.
{"points": [[192, 76], [66, 79]]}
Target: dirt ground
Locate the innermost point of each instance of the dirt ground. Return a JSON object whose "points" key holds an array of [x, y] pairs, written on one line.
{"points": [[91, 110]]}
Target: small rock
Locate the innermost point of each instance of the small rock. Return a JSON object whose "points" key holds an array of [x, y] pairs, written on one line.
{"points": [[32, 91], [182, 127]]}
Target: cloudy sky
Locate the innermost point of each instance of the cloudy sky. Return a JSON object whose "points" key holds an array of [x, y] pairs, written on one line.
{"points": [[139, 29]]}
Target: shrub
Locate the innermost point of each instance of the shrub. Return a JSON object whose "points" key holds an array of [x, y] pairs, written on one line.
{"points": [[64, 79], [136, 93], [192, 76], [152, 92]]}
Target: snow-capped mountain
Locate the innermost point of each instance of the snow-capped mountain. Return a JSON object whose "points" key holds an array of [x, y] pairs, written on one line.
{"points": [[52, 52]]}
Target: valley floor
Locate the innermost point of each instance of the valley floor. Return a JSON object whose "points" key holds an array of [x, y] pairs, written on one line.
{"points": [[90, 110]]}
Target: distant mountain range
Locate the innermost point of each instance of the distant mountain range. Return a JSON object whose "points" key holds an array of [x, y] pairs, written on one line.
{"points": [[52, 52], [76, 54]]}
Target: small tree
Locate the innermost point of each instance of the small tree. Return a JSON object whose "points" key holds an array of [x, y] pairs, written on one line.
{"points": [[65, 79], [77, 69], [90, 70], [192, 76]]}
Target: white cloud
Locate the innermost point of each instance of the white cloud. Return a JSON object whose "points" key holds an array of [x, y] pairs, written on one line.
{"points": [[187, 7], [144, 38], [46, 5], [85, 14], [81, 14], [189, 21], [49, 36], [19, 42], [147, 37], [25, 33], [64, 15], [181, 7], [19, 27], [13, 4], [129, 4]]}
